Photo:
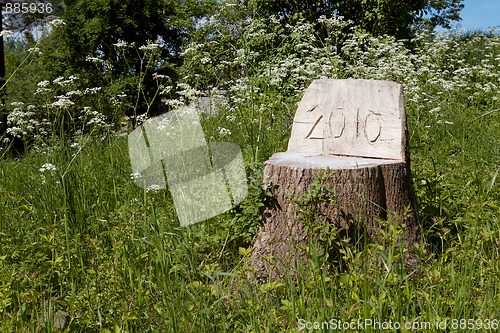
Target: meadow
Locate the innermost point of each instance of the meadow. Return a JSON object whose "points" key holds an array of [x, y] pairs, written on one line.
{"points": [[83, 249]]}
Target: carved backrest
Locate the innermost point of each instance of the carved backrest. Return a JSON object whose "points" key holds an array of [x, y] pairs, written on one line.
{"points": [[359, 118]]}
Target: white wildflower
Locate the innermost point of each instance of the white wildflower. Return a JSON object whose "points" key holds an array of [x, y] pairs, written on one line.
{"points": [[205, 61], [6, 33], [74, 93], [223, 131], [62, 102], [435, 110], [94, 59], [153, 188], [97, 119], [150, 46], [59, 79], [445, 122], [57, 23], [43, 84], [157, 76], [75, 145], [140, 119], [34, 50], [41, 91], [15, 131], [166, 90], [115, 101], [174, 103], [135, 176], [48, 167], [92, 90], [121, 44], [187, 91], [118, 99]]}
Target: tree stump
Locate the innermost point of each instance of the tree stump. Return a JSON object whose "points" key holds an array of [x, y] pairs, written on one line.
{"points": [[357, 130]]}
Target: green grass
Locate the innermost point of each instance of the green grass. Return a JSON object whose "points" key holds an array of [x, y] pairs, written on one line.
{"points": [[83, 249]]}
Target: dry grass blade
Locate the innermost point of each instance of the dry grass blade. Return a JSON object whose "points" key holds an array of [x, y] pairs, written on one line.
{"points": [[485, 114]]}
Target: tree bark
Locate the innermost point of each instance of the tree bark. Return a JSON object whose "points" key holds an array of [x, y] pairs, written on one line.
{"points": [[357, 129], [359, 192]]}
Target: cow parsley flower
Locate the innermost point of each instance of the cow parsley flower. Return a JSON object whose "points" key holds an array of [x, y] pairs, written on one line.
{"points": [[97, 119], [153, 188], [6, 33], [92, 90], [150, 46], [57, 23], [34, 50], [74, 92], [205, 60], [121, 44], [43, 84], [62, 102], [157, 76], [48, 167], [94, 59], [223, 131], [75, 145], [135, 176], [41, 91]]}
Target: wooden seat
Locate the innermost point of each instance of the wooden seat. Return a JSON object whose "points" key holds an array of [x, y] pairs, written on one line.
{"points": [[357, 129]]}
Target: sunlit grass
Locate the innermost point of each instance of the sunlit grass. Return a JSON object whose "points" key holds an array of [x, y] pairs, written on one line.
{"points": [[83, 249]]}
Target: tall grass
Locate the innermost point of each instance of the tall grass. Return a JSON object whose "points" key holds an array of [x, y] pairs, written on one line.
{"points": [[82, 249]]}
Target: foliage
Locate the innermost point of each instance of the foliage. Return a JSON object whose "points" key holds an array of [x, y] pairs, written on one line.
{"points": [[399, 19], [103, 43], [83, 249], [70, 106]]}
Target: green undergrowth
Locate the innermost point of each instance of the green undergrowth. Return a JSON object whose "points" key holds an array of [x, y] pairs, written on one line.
{"points": [[83, 249]]}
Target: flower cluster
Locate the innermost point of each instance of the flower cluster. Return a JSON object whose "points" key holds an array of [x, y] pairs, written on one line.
{"points": [[97, 119], [263, 60], [48, 167], [223, 131], [23, 121], [62, 102], [58, 96], [57, 22], [150, 46]]}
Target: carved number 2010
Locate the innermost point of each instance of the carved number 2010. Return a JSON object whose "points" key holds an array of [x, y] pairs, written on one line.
{"points": [[370, 126]]}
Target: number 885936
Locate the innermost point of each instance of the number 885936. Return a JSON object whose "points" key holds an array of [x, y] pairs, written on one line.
{"points": [[25, 7]]}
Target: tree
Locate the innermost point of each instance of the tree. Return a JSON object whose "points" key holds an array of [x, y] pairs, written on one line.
{"points": [[396, 18], [93, 28]]}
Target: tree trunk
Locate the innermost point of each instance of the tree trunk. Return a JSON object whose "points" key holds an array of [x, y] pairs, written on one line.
{"points": [[360, 192], [357, 130]]}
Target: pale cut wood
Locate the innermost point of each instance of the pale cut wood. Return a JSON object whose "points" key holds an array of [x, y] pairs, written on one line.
{"points": [[357, 129], [362, 118]]}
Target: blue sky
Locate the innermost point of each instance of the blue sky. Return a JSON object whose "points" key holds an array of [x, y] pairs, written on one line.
{"points": [[480, 14]]}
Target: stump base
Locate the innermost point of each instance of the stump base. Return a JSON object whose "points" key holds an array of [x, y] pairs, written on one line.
{"points": [[362, 191]]}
